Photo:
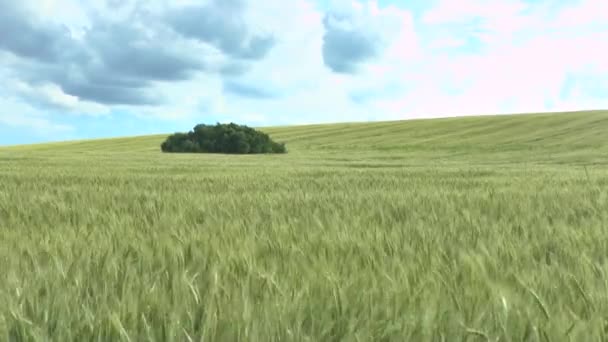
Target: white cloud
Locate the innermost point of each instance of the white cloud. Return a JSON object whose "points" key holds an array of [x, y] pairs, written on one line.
{"points": [[458, 11], [52, 95], [583, 14], [524, 55], [16, 114]]}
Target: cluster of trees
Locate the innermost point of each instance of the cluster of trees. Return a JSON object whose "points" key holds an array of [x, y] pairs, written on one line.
{"points": [[222, 138]]}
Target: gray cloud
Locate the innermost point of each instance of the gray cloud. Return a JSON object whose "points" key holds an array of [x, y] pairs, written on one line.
{"points": [[250, 91], [221, 24], [110, 94], [115, 65], [112, 64], [234, 69], [118, 62], [346, 46], [23, 36], [126, 50]]}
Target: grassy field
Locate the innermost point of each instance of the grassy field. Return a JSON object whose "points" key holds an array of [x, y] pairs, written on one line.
{"points": [[460, 229]]}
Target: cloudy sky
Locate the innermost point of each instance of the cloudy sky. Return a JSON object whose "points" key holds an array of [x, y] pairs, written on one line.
{"points": [[72, 69]]}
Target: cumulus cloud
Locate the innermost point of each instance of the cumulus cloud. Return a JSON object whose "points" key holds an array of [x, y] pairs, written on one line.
{"points": [[129, 51], [123, 60], [111, 65], [357, 33], [51, 96], [222, 24], [23, 35], [346, 46]]}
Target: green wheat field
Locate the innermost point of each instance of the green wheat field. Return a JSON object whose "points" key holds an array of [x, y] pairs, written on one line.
{"points": [[491, 228]]}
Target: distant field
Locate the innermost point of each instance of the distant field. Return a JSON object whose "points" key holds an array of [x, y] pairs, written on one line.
{"points": [[460, 229]]}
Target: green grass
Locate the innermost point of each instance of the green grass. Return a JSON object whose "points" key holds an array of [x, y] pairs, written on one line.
{"points": [[461, 229]]}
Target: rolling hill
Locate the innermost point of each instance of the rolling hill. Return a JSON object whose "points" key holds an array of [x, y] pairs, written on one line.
{"points": [[554, 137]]}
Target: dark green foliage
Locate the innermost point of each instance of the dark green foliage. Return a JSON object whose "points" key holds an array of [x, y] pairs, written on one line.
{"points": [[222, 138]]}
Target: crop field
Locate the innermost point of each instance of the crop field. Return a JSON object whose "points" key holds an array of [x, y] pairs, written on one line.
{"points": [[489, 228]]}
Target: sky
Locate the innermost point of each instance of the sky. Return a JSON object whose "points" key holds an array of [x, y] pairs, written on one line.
{"points": [[74, 69]]}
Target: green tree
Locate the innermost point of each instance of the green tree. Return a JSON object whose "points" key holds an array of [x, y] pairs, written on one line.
{"points": [[222, 138]]}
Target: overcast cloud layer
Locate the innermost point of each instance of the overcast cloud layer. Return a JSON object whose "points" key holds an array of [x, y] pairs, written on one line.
{"points": [[72, 69]]}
